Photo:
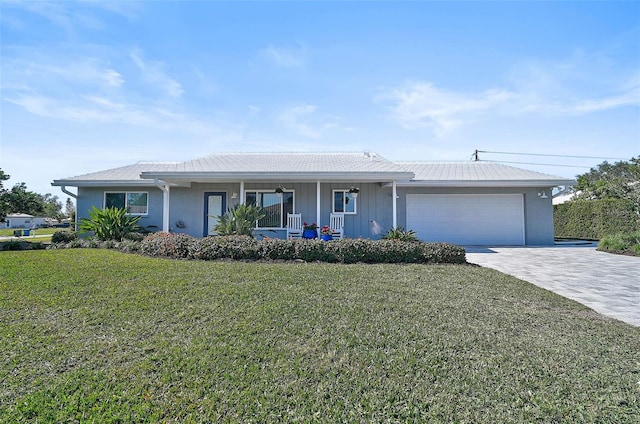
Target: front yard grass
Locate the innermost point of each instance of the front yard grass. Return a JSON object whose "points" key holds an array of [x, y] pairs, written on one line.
{"points": [[101, 336]]}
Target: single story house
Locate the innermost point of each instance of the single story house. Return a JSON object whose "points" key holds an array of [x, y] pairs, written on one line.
{"points": [[467, 203], [23, 220]]}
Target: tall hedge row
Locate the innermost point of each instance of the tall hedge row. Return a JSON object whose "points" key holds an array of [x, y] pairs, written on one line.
{"points": [[594, 219]]}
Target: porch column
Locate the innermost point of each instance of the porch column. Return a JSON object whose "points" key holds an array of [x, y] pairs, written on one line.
{"points": [[164, 186], [242, 192], [318, 202], [394, 195]]}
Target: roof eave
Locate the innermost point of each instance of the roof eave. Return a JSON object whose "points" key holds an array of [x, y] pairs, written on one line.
{"points": [[485, 183], [277, 176], [103, 183]]}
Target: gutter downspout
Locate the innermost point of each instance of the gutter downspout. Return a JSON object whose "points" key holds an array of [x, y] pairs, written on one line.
{"points": [[68, 193], [162, 185], [242, 192], [394, 195]]}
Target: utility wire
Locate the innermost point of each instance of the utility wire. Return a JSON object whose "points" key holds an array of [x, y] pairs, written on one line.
{"points": [[534, 163], [539, 154]]}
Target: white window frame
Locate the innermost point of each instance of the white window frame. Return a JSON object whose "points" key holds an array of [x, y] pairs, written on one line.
{"points": [[345, 195], [126, 193], [282, 215]]}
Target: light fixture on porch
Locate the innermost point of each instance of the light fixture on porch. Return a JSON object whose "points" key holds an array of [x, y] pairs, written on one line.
{"points": [[543, 195], [234, 195], [354, 192], [280, 190]]}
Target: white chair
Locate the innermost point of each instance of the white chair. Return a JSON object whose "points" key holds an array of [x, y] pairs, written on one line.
{"points": [[336, 223], [294, 225]]}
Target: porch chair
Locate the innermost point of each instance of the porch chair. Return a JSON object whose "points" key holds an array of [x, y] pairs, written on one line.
{"points": [[336, 223], [294, 226]]}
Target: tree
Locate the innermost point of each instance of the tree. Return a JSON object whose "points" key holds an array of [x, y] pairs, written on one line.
{"points": [[70, 210], [21, 200], [3, 177], [620, 180]]}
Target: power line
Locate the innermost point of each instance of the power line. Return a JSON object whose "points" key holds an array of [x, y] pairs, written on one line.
{"points": [[535, 163], [548, 155]]}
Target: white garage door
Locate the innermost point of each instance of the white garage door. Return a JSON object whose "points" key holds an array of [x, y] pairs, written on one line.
{"points": [[467, 219]]}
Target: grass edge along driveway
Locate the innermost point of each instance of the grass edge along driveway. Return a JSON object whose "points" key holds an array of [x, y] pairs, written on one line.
{"points": [[97, 335]]}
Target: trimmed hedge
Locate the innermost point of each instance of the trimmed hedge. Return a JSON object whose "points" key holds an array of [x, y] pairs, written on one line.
{"points": [[183, 246], [176, 245], [594, 219], [21, 245]]}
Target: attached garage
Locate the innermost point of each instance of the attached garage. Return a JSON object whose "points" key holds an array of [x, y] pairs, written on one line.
{"points": [[467, 219]]}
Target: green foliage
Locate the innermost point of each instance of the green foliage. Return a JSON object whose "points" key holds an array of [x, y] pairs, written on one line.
{"points": [[227, 247], [620, 180], [70, 210], [239, 220], [594, 219], [21, 200], [3, 177], [344, 251], [63, 237], [172, 245], [621, 243], [21, 245], [399, 233], [110, 223]]}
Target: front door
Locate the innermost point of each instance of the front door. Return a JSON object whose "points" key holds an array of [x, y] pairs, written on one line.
{"points": [[214, 206]]}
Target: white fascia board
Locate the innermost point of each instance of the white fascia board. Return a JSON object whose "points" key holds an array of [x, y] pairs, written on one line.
{"points": [[280, 176], [489, 183], [103, 183]]}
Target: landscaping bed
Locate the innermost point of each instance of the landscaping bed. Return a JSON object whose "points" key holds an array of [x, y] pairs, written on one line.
{"points": [[182, 246]]}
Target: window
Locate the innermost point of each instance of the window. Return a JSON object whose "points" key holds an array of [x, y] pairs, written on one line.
{"points": [[344, 202], [136, 203], [275, 205]]}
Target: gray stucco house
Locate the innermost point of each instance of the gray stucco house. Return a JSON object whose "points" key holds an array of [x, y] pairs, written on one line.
{"points": [[467, 203]]}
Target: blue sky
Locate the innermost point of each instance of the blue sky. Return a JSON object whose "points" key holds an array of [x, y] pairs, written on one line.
{"points": [[93, 85]]}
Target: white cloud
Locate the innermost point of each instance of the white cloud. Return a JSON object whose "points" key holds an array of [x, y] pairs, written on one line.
{"points": [[555, 90], [420, 104], [153, 73], [286, 57], [292, 119]]}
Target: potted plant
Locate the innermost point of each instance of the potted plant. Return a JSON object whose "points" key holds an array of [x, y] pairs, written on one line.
{"points": [[326, 233], [309, 231]]}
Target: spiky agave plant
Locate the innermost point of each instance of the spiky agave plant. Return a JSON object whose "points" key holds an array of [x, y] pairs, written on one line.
{"points": [[110, 223]]}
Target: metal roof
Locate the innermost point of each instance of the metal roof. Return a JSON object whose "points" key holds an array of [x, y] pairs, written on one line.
{"points": [[315, 166], [477, 173]]}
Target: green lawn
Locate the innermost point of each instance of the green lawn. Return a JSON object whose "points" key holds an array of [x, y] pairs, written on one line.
{"points": [[100, 336], [8, 232]]}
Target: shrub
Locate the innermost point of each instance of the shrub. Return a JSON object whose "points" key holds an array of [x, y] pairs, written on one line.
{"points": [[21, 245], [173, 245], [220, 247], [621, 243], [311, 250], [277, 249], [110, 223], [594, 219], [63, 236], [399, 233]]}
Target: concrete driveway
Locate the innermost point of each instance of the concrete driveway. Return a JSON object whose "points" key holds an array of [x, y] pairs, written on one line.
{"points": [[607, 283]]}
